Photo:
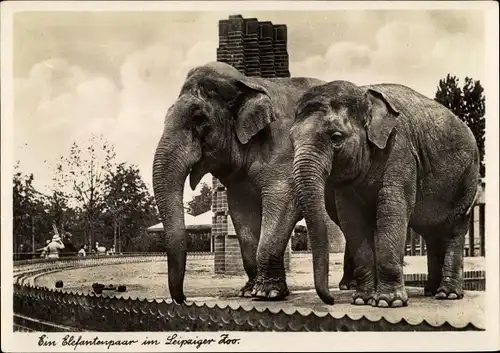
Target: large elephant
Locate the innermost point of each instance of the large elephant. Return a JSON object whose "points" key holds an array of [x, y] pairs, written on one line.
{"points": [[236, 128], [382, 158]]}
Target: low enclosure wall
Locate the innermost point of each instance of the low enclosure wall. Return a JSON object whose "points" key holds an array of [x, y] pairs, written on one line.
{"points": [[43, 309]]}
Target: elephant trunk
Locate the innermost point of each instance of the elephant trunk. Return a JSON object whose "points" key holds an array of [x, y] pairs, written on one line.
{"points": [[170, 170], [310, 170]]}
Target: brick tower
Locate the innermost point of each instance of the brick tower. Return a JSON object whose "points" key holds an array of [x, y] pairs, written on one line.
{"points": [[255, 49]]}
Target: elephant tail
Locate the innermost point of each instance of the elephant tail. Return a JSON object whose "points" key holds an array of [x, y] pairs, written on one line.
{"points": [[473, 203], [467, 198]]}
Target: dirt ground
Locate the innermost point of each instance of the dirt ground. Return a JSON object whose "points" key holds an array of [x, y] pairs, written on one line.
{"points": [[150, 279]]}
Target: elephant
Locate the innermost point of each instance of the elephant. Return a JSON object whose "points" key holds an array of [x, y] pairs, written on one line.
{"points": [[382, 158], [236, 128]]}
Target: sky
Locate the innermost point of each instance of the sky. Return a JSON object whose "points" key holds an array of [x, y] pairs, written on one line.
{"points": [[116, 73]]}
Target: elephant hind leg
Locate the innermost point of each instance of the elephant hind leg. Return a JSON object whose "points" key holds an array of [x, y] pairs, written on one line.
{"points": [[451, 284], [435, 260], [456, 227]]}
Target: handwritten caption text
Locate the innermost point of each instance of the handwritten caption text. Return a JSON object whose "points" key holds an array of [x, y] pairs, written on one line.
{"points": [[77, 341]]}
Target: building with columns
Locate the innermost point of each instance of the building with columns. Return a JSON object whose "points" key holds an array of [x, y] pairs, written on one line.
{"points": [[255, 49]]}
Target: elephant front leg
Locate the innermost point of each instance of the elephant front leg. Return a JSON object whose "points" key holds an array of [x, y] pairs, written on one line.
{"points": [[364, 272], [279, 218], [359, 253], [245, 211], [348, 281], [390, 241], [248, 244], [435, 258]]}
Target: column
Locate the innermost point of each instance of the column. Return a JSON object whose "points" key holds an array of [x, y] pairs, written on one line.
{"points": [[234, 261], [219, 225], [280, 52], [251, 44], [266, 50], [223, 40], [235, 46]]}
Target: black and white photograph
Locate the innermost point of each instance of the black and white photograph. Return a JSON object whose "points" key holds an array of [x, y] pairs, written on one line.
{"points": [[182, 176]]}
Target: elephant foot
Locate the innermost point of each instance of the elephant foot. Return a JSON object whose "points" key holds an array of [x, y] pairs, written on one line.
{"points": [[362, 298], [347, 284], [246, 290], [449, 291], [270, 289], [430, 289], [179, 299], [394, 299]]}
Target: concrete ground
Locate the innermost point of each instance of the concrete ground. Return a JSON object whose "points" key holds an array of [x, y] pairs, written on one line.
{"points": [[201, 284], [459, 313]]}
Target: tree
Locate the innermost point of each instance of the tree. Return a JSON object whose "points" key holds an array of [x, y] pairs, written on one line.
{"points": [[468, 103], [200, 203], [27, 204], [473, 113], [91, 196], [449, 94], [83, 176], [129, 207]]}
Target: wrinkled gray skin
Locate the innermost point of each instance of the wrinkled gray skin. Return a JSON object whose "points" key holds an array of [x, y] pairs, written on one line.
{"points": [[236, 128], [385, 157]]}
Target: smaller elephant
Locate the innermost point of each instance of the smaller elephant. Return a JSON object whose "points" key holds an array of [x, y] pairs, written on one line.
{"points": [[383, 158]]}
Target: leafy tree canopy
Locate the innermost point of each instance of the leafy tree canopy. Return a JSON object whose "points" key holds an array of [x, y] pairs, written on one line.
{"points": [[200, 203], [128, 202], [468, 103], [92, 196]]}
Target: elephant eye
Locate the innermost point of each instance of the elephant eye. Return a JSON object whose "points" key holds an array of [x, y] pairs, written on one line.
{"points": [[199, 118], [338, 138], [200, 123]]}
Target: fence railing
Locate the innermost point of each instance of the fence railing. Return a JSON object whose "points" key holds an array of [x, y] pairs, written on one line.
{"points": [[88, 261], [474, 240]]}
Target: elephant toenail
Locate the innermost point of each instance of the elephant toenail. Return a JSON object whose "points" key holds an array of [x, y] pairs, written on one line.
{"points": [[359, 301], [261, 293], [452, 296], [343, 287], [273, 294], [372, 302], [441, 295], [397, 303], [383, 304]]}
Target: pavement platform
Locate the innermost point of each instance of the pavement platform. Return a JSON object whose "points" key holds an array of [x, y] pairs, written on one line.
{"points": [[458, 313], [149, 280]]}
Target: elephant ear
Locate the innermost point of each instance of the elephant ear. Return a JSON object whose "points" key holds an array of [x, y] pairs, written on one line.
{"points": [[383, 119], [254, 111]]}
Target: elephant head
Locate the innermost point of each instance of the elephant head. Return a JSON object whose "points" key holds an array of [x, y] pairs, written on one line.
{"points": [[206, 130], [337, 128]]}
